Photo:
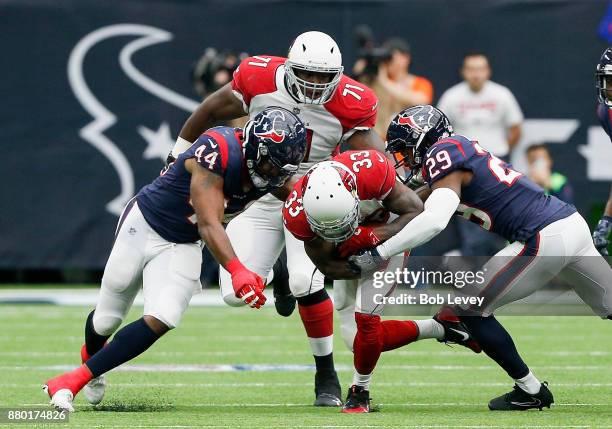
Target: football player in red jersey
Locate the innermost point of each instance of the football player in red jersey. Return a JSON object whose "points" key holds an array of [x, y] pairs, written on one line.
{"points": [[335, 109], [339, 207]]}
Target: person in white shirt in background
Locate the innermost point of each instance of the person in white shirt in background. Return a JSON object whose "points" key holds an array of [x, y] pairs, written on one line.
{"points": [[482, 109], [487, 112]]}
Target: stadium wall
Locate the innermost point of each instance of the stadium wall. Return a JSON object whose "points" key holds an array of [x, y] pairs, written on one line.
{"points": [[93, 93]]}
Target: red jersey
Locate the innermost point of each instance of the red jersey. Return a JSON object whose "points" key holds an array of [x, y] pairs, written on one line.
{"points": [[375, 177], [259, 82]]}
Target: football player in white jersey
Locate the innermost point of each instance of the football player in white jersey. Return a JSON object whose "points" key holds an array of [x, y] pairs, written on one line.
{"points": [[335, 109]]}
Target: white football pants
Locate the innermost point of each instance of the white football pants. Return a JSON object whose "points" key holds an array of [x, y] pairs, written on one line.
{"points": [[258, 236], [563, 248], [169, 274]]}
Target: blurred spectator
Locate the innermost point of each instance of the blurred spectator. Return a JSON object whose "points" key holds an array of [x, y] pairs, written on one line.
{"points": [[482, 109], [213, 70], [488, 112], [394, 85], [540, 171]]}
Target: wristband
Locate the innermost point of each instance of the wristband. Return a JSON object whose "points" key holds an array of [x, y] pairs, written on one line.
{"points": [[234, 266], [180, 146]]}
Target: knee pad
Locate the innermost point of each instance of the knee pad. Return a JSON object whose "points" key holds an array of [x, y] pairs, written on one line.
{"points": [[369, 328], [302, 284], [105, 324]]}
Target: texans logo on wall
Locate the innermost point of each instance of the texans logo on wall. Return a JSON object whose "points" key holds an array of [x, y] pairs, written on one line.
{"points": [[158, 141]]}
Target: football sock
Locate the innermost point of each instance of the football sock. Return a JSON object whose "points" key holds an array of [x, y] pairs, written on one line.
{"points": [[129, 342], [93, 341], [529, 383], [497, 344], [429, 328], [317, 313], [73, 380], [398, 333], [368, 344], [362, 380], [324, 363]]}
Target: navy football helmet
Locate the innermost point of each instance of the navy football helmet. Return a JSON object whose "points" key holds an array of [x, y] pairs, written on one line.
{"points": [[413, 131], [603, 78], [274, 146]]}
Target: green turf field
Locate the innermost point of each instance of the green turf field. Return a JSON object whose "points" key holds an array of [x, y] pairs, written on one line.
{"points": [[422, 385]]}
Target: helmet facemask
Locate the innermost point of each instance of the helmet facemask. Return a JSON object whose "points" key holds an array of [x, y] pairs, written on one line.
{"points": [[412, 132], [410, 153], [603, 85], [310, 92], [265, 171]]}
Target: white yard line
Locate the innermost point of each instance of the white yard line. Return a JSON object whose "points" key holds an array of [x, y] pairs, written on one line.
{"points": [[308, 405], [416, 353], [289, 367], [294, 426], [277, 384]]}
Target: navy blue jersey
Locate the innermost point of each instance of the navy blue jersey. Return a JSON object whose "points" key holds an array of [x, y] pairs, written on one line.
{"points": [[498, 198], [166, 204], [604, 114]]}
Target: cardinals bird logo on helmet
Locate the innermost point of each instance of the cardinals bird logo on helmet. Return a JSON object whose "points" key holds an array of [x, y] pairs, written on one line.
{"points": [[330, 201]]}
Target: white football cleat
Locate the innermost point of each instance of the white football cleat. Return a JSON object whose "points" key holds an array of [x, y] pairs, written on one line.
{"points": [[94, 390], [61, 400]]}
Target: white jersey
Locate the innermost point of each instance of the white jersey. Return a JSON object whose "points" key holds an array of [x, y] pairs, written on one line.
{"points": [[484, 116], [259, 82]]}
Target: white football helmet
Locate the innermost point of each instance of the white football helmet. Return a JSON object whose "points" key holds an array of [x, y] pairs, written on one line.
{"points": [[317, 52], [330, 201]]}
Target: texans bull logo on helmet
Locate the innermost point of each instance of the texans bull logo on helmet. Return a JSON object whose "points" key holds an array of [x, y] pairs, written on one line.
{"points": [[262, 128]]}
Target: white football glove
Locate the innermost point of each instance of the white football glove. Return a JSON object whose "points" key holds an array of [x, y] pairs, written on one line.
{"points": [[368, 261], [416, 181]]}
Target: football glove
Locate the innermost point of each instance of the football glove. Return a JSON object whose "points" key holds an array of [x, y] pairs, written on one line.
{"points": [[363, 238], [601, 233], [368, 261], [416, 181], [247, 285]]}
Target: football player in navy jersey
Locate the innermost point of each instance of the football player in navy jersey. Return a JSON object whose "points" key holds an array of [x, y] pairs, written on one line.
{"points": [[548, 237], [603, 84], [159, 236]]}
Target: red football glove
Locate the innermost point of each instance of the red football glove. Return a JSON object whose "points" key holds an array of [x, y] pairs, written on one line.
{"points": [[248, 286], [363, 238]]}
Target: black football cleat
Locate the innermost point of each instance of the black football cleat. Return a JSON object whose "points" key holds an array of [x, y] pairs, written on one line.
{"points": [[455, 332], [284, 301], [357, 400], [327, 389], [519, 400]]}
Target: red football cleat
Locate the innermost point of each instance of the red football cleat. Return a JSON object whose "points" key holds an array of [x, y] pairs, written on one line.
{"points": [[357, 400]]}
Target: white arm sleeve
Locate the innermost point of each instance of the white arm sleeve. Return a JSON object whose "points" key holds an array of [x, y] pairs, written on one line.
{"points": [[180, 146], [439, 208]]}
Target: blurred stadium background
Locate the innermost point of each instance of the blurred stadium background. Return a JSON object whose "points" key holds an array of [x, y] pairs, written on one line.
{"points": [[94, 94]]}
